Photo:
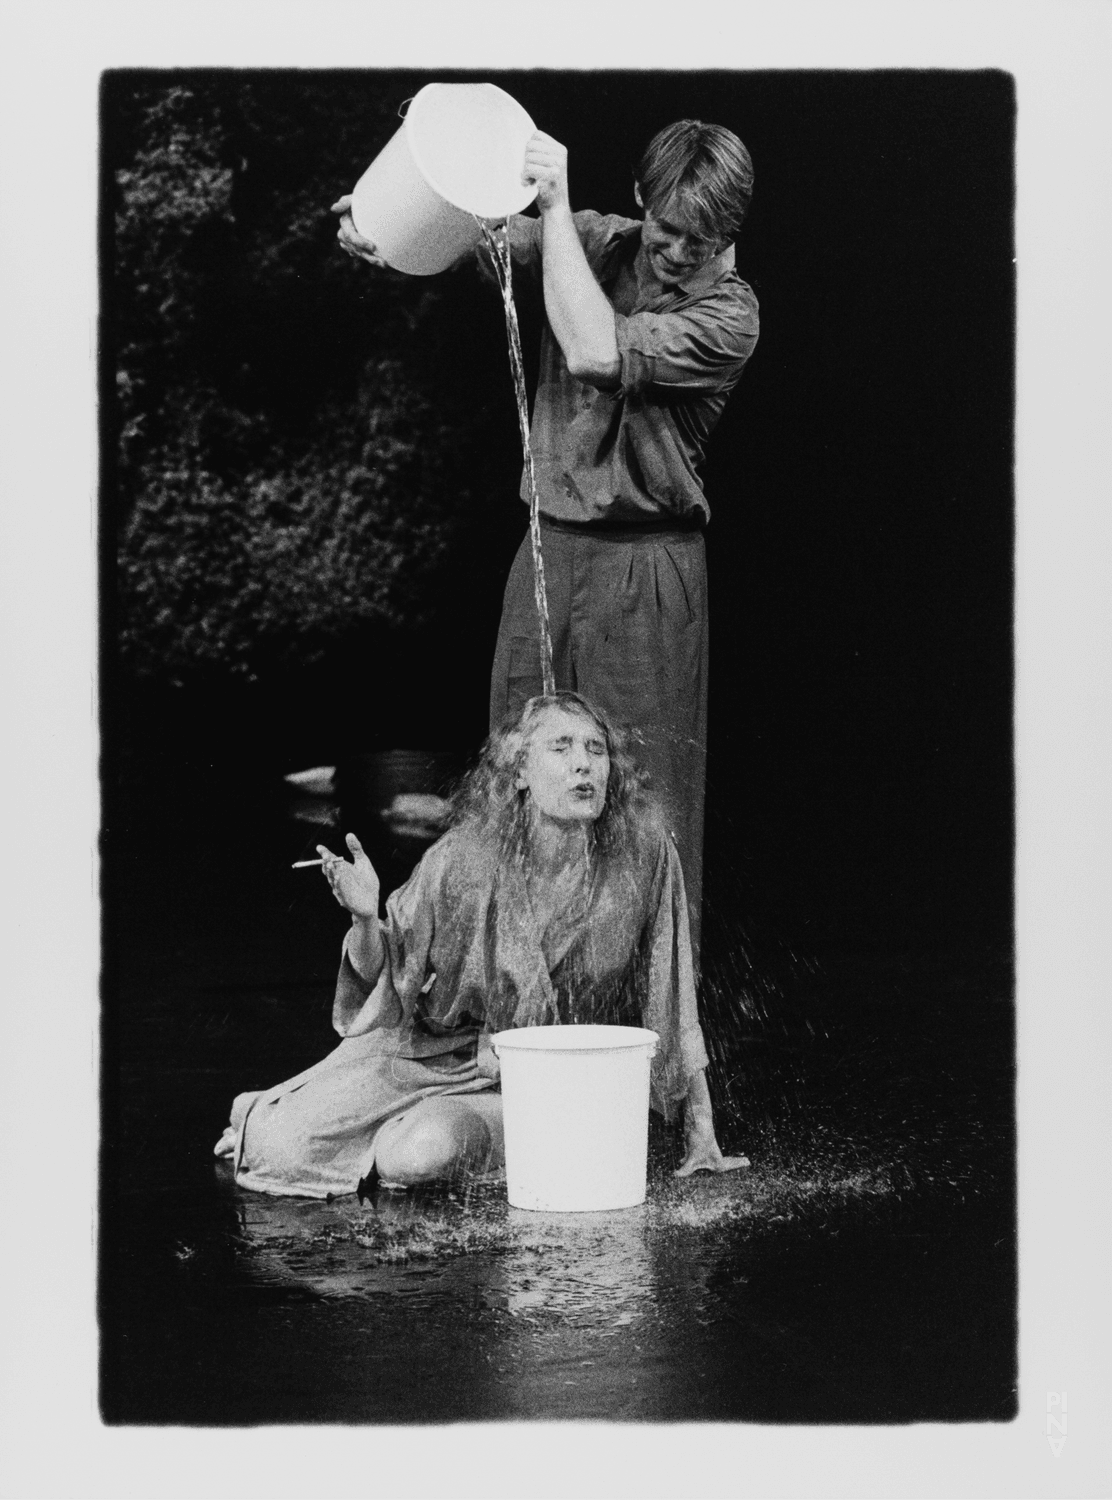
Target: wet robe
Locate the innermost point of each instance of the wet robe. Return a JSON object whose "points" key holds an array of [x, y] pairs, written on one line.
{"points": [[466, 956]]}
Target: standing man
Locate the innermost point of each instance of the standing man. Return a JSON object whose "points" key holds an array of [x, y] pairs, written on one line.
{"points": [[648, 328]]}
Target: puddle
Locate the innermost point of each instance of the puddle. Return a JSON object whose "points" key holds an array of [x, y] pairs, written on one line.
{"points": [[861, 1270], [597, 1274]]}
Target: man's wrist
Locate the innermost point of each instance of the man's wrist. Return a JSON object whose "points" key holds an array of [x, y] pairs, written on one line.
{"points": [[560, 209]]}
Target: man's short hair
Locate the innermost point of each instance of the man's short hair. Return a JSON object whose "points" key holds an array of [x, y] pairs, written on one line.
{"points": [[704, 167]]}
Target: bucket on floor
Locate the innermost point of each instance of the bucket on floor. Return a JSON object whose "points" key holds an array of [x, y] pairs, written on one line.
{"points": [[458, 153], [575, 1104]]}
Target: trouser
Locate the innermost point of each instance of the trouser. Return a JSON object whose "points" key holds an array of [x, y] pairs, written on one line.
{"points": [[628, 612]]}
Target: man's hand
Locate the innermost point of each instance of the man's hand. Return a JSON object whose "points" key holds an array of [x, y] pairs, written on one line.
{"points": [[349, 237], [546, 164]]}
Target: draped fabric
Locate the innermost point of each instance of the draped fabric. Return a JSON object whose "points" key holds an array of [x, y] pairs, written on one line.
{"points": [[466, 956]]}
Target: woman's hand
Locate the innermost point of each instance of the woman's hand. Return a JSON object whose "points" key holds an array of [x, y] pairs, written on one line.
{"points": [[349, 237], [546, 164], [702, 1152], [355, 886]]}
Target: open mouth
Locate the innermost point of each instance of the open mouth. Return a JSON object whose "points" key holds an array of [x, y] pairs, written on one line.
{"points": [[583, 791]]}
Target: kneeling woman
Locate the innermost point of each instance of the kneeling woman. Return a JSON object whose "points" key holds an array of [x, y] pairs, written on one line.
{"points": [[555, 897]]}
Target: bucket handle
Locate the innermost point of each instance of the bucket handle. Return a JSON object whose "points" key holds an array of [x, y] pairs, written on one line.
{"points": [[403, 107]]}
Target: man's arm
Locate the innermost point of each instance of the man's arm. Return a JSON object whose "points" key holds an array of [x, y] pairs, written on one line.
{"points": [[349, 237], [579, 312], [360, 248]]}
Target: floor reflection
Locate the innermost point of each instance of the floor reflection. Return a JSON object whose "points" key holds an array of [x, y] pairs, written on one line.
{"points": [[595, 1273], [583, 1269]]}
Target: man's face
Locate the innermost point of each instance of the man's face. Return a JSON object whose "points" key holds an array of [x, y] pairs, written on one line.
{"points": [[673, 248], [567, 767]]}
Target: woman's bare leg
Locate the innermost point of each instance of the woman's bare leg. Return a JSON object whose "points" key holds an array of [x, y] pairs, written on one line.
{"points": [[442, 1137]]}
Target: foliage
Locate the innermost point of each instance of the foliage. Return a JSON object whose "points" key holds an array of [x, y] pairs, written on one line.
{"points": [[271, 565], [283, 462]]}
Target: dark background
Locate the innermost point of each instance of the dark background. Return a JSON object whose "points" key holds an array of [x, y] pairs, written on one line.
{"points": [[858, 973], [860, 778]]}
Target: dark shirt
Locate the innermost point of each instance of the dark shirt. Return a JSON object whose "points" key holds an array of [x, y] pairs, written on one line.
{"points": [[629, 456]]}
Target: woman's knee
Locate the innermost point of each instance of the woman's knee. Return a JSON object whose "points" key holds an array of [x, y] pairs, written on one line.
{"points": [[439, 1139]]}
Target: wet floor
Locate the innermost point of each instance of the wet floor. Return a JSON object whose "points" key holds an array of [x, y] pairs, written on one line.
{"points": [[862, 1270]]}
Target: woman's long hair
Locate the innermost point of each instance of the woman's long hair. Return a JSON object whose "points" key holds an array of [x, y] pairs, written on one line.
{"points": [[490, 803]]}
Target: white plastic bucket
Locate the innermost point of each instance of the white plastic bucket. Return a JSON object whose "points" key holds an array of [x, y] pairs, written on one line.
{"points": [[575, 1104], [458, 153]]}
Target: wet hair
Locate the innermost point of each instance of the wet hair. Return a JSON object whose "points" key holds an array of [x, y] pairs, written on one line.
{"points": [[705, 169], [492, 804]]}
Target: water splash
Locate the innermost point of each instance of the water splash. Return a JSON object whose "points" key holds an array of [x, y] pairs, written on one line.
{"points": [[498, 243]]}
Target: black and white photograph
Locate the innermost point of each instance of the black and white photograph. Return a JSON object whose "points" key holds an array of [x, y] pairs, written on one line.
{"points": [[559, 586]]}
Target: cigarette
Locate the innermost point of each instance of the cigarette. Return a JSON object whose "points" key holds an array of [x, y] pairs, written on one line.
{"points": [[305, 864]]}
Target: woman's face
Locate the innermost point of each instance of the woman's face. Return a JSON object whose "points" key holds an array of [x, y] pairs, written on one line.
{"points": [[567, 767]]}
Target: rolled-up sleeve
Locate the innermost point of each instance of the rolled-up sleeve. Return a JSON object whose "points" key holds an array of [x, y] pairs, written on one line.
{"points": [[526, 235], [701, 348], [525, 239]]}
